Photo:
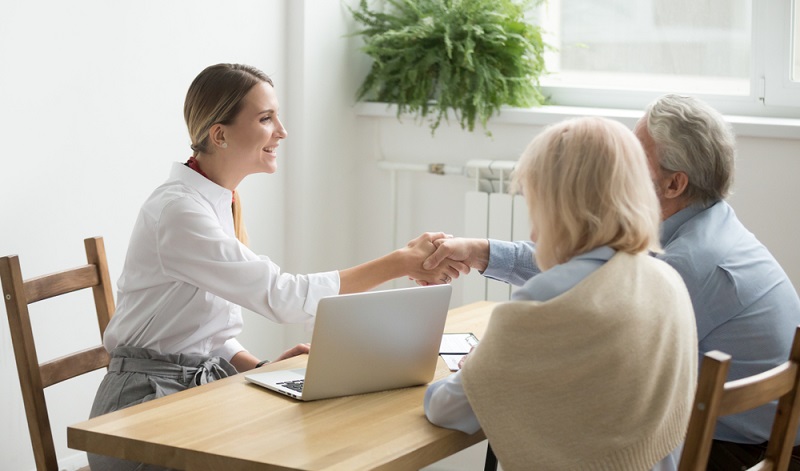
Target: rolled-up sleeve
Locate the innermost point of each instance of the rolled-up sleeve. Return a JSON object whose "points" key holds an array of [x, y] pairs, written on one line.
{"points": [[229, 349], [511, 262]]}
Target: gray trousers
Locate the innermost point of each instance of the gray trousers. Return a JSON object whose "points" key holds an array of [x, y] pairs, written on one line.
{"points": [[137, 375]]}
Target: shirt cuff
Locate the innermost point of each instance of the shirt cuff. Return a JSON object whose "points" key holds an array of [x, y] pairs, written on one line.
{"points": [[502, 256], [320, 285]]}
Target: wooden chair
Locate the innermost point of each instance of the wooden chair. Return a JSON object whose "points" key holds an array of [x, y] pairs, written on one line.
{"points": [[35, 377], [715, 398]]}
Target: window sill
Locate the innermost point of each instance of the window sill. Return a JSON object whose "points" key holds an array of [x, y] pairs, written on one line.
{"points": [[744, 126]]}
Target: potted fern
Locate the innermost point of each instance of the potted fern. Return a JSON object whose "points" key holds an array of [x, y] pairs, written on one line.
{"points": [[471, 56]]}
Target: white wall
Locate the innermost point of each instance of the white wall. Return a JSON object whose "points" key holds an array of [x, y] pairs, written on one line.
{"points": [[764, 191], [91, 94], [91, 103]]}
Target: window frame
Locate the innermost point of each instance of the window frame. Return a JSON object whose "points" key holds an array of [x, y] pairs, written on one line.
{"points": [[778, 88], [772, 92]]}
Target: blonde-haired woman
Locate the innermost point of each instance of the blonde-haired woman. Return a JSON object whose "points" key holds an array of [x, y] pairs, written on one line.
{"points": [[593, 363], [188, 271]]}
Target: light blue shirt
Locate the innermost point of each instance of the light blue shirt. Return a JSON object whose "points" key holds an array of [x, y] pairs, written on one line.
{"points": [[744, 303], [446, 402]]}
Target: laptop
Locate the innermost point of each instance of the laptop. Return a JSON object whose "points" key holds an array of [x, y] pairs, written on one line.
{"points": [[368, 342]]}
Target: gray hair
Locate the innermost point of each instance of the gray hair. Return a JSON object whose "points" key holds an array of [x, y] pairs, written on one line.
{"points": [[693, 138]]}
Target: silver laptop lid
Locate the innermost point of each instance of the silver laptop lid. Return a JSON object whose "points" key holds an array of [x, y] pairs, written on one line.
{"points": [[375, 341]]}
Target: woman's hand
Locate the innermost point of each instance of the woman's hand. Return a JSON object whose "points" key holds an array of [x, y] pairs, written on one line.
{"points": [[419, 249], [299, 349]]}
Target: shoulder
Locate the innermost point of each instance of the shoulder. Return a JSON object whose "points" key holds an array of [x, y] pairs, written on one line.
{"points": [[561, 278], [176, 204]]}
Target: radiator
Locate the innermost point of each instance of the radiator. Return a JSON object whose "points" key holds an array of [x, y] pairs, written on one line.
{"points": [[491, 211]]}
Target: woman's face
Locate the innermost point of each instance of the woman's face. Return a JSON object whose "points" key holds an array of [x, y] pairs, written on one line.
{"points": [[256, 132]]}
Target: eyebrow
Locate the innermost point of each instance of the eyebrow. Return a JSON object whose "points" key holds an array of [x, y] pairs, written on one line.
{"points": [[266, 112]]}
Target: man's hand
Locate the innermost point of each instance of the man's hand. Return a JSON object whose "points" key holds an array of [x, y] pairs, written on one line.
{"points": [[420, 249], [473, 253]]}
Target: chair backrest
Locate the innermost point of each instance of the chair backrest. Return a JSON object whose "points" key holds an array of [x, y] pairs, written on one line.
{"points": [[716, 398], [35, 377]]}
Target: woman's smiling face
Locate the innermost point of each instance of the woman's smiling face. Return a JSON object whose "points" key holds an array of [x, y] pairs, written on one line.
{"points": [[256, 132]]}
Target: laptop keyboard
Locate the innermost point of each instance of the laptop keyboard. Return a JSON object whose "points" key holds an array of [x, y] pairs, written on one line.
{"points": [[296, 385]]}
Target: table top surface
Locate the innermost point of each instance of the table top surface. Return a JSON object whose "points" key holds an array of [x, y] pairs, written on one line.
{"points": [[234, 425]]}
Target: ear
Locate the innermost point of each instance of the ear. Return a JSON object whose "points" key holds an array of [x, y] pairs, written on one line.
{"points": [[216, 135], [676, 185]]}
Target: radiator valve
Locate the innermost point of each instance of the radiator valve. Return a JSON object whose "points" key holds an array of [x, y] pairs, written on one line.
{"points": [[437, 169]]}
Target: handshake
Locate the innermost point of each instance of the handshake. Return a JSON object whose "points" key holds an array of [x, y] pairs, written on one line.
{"points": [[435, 257]]}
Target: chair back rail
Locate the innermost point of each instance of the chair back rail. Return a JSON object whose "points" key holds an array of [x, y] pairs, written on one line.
{"points": [[715, 398], [33, 376]]}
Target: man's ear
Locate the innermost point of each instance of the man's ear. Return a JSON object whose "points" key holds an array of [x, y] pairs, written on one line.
{"points": [[676, 186]]}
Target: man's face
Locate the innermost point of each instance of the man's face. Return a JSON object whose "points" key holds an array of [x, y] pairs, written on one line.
{"points": [[649, 149], [649, 145]]}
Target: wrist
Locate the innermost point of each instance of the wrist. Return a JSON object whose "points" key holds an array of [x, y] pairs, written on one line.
{"points": [[261, 363], [400, 263], [481, 255]]}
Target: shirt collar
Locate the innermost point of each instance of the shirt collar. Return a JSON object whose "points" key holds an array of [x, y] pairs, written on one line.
{"points": [[214, 193], [602, 253], [672, 223]]}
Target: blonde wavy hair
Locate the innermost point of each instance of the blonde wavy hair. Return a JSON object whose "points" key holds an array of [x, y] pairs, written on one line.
{"points": [[587, 184], [215, 96]]}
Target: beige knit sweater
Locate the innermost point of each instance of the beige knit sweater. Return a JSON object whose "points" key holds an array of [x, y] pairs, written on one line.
{"points": [[601, 377]]}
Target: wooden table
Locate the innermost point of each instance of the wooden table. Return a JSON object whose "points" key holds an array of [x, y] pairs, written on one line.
{"points": [[234, 425]]}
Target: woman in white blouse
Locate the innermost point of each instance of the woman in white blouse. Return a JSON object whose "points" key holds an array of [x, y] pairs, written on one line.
{"points": [[188, 271]]}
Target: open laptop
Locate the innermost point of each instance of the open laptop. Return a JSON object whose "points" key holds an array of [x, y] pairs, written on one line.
{"points": [[368, 342]]}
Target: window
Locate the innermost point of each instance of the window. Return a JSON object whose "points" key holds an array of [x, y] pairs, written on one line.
{"points": [[742, 56], [796, 42]]}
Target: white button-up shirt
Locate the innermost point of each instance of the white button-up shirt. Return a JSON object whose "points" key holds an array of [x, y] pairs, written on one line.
{"points": [[186, 276]]}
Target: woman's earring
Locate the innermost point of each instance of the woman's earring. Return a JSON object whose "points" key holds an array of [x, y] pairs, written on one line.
{"points": [[224, 145]]}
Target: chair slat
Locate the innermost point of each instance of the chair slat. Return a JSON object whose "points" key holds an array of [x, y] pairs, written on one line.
{"points": [[35, 377], [716, 398], [54, 284], [748, 393], [75, 364]]}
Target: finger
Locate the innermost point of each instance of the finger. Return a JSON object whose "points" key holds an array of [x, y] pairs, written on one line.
{"points": [[436, 257], [455, 269], [452, 272], [432, 236]]}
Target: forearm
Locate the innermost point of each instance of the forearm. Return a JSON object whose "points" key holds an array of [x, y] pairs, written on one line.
{"points": [[480, 254], [244, 361], [371, 274], [511, 262]]}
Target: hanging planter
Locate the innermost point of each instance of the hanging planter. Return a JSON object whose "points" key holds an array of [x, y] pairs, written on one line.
{"points": [[469, 56]]}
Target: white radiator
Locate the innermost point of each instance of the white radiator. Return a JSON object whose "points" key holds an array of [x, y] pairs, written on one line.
{"points": [[492, 212]]}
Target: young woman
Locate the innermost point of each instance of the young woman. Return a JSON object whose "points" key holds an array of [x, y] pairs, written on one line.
{"points": [[188, 273], [593, 363]]}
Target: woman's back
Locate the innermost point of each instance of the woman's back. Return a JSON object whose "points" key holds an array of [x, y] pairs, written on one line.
{"points": [[609, 376]]}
